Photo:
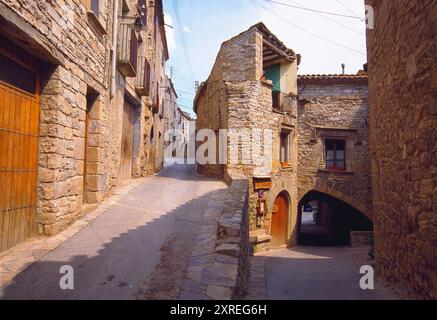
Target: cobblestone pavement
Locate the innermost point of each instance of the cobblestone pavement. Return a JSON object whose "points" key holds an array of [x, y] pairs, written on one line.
{"points": [[312, 273], [136, 245]]}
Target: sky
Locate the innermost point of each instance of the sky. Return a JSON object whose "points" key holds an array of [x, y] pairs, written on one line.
{"points": [[201, 26]]}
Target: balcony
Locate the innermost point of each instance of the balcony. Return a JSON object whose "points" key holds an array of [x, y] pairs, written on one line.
{"points": [[282, 102], [142, 83], [127, 51]]}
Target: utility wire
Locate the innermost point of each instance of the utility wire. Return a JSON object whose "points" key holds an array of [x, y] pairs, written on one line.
{"points": [[347, 8], [314, 10], [306, 31], [323, 28], [332, 20], [182, 36]]}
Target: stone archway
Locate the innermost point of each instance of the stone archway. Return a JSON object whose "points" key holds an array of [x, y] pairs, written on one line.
{"points": [[329, 220], [334, 190]]}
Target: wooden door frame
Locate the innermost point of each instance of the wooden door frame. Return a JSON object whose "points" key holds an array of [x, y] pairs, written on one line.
{"points": [[287, 199], [24, 59]]}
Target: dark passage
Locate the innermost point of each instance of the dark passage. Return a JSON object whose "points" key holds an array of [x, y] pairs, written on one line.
{"points": [[328, 221]]}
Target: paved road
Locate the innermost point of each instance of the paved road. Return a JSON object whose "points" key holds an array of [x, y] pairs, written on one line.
{"points": [[312, 273], [122, 253]]}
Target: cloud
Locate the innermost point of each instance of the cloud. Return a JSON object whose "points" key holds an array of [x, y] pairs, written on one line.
{"points": [[171, 38], [186, 29]]}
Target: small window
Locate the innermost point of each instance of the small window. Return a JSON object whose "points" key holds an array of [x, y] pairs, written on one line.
{"points": [[143, 10], [285, 149], [93, 5], [335, 154]]}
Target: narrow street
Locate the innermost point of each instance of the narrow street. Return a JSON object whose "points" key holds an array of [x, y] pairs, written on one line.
{"points": [[138, 248], [312, 273]]}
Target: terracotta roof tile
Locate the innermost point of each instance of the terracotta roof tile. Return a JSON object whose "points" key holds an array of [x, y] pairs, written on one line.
{"points": [[361, 77]]}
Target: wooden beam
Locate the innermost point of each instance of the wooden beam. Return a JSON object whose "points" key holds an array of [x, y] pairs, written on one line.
{"points": [[278, 51]]}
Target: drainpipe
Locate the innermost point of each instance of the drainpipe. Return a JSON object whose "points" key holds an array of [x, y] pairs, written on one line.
{"points": [[114, 47]]}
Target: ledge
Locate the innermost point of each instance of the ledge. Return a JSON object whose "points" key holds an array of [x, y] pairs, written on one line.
{"points": [[95, 22], [336, 172]]}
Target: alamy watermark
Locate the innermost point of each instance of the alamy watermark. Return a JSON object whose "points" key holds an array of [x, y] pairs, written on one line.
{"points": [[66, 282], [225, 146], [369, 17], [367, 281]]}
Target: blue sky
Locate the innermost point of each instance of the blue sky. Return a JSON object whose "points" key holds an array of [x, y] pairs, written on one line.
{"points": [[205, 24]]}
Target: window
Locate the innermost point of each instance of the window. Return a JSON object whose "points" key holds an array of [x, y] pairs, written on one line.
{"points": [[335, 154], [143, 10], [285, 149], [93, 5]]}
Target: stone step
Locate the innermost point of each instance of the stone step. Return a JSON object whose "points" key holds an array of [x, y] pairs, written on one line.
{"points": [[259, 236]]}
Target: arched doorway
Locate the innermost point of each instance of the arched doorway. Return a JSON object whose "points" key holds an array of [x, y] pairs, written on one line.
{"points": [[278, 230], [324, 220]]}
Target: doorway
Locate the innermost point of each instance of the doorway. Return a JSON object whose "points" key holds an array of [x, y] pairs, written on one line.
{"points": [[19, 123], [127, 142], [91, 99], [278, 229]]}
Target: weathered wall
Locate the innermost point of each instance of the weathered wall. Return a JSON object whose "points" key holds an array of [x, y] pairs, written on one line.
{"points": [[75, 46], [234, 97], [333, 110], [81, 54], [403, 98]]}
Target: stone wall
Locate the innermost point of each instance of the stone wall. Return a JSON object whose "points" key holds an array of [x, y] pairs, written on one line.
{"points": [[235, 97], [219, 266], [332, 110], [75, 48], [403, 98], [74, 45], [233, 234]]}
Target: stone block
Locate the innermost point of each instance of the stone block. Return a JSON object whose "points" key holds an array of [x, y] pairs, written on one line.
{"points": [[219, 293], [94, 183]]}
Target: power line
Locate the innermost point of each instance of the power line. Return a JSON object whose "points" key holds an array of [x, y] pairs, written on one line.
{"points": [[306, 31], [314, 10], [347, 8], [332, 20], [182, 36], [324, 29]]}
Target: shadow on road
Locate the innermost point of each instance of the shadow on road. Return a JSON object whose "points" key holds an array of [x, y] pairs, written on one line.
{"points": [[112, 259]]}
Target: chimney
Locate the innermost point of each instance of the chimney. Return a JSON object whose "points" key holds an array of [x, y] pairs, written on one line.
{"points": [[343, 66]]}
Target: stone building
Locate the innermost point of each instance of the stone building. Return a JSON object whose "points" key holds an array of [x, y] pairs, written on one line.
{"points": [[171, 108], [253, 85], [403, 99], [79, 73], [320, 130], [333, 149]]}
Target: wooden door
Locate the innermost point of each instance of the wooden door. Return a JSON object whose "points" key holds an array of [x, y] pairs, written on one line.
{"points": [[278, 230], [19, 122], [127, 140]]}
